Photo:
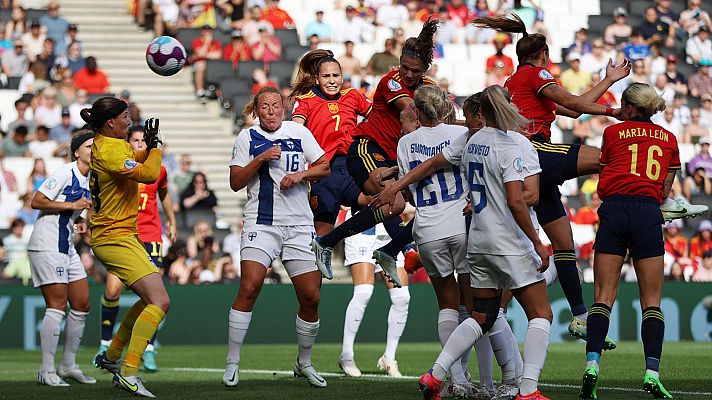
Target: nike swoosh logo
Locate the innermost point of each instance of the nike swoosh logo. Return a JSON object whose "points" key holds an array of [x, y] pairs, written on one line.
{"points": [[259, 145], [357, 320], [321, 380], [233, 376], [683, 211], [133, 388]]}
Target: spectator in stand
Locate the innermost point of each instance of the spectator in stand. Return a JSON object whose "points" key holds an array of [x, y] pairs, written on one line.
{"points": [[313, 44], [701, 243], [17, 25], [198, 196], [595, 61], [15, 63], [237, 50], [501, 40], [696, 184], [33, 41], [233, 11], [349, 63], [706, 110], [70, 37], [667, 120], [676, 79], [75, 60], [43, 147], [21, 110], [682, 111], [699, 46], [16, 144], [676, 245], [366, 11], [320, 28], [54, 26], [18, 262], [447, 30], [459, 13], [575, 79], [48, 112], [201, 238], [588, 215], [26, 213], [259, 77], [392, 15], [693, 18], [430, 9], [655, 63], [694, 131], [34, 80], [664, 90], [676, 274], [66, 91], [383, 62], [268, 48], [702, 159], [527, 13], [412, 26], [639, 74], [276, 16], [704, 273], [498, 75], [699, 83], [251, 27], [91, 78], [185, 174], [656, 31], [205, 47], [619, 31], [637, 48], [80, 102], [47, 57], [354, 28], [62, 132], [581, 44], [37, 176], [666, 14]]}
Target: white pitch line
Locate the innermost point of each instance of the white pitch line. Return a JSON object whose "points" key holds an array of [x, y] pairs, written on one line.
{"points": [[407, 377]]}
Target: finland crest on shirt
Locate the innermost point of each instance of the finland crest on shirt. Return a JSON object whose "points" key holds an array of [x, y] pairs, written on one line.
{"points": [[266, 203], [52, 231]]}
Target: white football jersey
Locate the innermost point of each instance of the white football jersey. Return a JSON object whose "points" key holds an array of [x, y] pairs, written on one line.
{"points": [[53, 230], [266, 203], [530, 163], [493, 158], [439, 199]]}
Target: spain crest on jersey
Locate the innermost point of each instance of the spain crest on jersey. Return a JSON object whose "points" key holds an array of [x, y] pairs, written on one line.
{"points": [[333, 108]]}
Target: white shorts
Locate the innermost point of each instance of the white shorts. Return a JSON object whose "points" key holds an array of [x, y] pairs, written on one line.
{"points": [[488, 271], [50, 267], [290, 243], [443, 257], [359, 249]]}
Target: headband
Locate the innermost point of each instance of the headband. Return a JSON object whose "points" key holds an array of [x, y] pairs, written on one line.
{"points": [[99, 118], [79, 140]]}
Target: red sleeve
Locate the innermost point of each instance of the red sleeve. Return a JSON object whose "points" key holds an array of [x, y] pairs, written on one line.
{"points": [[227, 51], [162, 178], [364, 106], [301, 109], [196, 43], [216, 45], [489, 65], [391, 89], [604, 147], [539, 78]]}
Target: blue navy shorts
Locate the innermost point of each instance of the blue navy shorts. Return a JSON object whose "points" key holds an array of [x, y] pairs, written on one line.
{"points": [[328, 195], [559, 163], [155, 252], [630, 223], [363, 157]]}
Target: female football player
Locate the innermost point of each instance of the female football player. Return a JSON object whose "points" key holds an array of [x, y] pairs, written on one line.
{"points": [[504, 250], [55, 265], [637, 171], [374, 150], [331, 114], [117, 170], [272, 159], [149, 231]]}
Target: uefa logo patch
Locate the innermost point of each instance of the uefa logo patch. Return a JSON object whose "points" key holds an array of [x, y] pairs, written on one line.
{"points": [[394, 86], [544, 74], [130, 164], [517, 164], [51, 183]]}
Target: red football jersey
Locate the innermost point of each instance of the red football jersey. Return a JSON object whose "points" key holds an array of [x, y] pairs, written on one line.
{"points": [[525, 87], [635, 158], [383, 125], [149, 219], [332, 120]]}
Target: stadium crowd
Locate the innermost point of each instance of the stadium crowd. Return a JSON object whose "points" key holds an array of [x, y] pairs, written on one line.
{"points": [[43, 59]]}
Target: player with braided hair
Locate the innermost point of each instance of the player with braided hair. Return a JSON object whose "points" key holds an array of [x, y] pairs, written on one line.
{"points": [[373, 151]]}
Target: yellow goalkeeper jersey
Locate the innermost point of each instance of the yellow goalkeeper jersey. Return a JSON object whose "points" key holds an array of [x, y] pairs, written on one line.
{"points": [[116, 171]]}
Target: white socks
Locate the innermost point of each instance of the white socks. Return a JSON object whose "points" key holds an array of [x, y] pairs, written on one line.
{"points": [[238, 323], [354, 315], [49, 337], [463, 315], [535, 346], [397, 317], [460, 341], [306, 335], [73, 332], [499, 337], [550, 274], [448, 320]]}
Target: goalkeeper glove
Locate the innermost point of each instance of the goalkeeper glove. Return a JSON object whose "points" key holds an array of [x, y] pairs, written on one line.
{"points": [[152, 135]]}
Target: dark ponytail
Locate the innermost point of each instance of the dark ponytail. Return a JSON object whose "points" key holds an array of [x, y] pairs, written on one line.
{"points": [[422, 46], [101, 111], [309, 68], [528, 47]]}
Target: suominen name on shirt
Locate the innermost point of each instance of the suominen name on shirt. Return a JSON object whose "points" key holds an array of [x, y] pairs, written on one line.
{"points": [[429, 151]]}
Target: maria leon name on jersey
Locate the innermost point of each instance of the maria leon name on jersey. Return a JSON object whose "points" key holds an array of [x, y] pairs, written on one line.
{"points": [[478, 149]]}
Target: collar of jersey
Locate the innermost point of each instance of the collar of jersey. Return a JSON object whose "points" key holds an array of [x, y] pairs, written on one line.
{"points": [[641, 119], [523, 63], [321, 94]]}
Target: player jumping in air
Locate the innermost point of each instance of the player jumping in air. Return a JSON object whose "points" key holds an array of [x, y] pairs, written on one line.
{"points": [[149, 231], [117, 170], [374, 150], [55, 265], [276, 160], [638, 164]]}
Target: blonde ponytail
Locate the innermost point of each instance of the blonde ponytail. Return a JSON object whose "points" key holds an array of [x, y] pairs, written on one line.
{"points": [[497, 107], [644, 98], [433, 105]]}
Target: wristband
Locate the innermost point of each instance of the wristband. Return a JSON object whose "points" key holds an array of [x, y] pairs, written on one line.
{"points": [[609, 111]]}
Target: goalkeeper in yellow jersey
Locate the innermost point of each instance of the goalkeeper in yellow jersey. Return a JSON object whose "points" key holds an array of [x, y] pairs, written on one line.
{"points": [[116, 171]]}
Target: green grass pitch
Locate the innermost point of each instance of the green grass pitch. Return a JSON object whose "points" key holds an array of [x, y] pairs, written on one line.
{"points": [[195, 372]]}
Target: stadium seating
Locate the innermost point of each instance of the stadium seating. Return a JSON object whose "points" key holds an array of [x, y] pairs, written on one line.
{"points": [[293, 53], [288, 37], [230, 88], [282, 71], [216, 71], [245, 68]]}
